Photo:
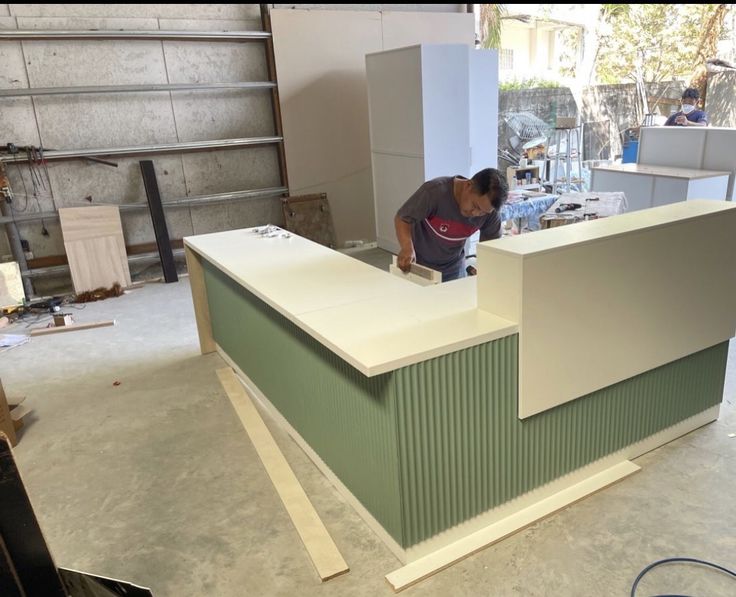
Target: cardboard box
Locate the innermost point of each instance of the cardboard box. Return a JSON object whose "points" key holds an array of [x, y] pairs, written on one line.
{"points": [[567, 122]]}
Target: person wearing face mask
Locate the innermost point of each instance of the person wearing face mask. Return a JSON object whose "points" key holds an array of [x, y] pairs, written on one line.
{"points": [[689, 115]]}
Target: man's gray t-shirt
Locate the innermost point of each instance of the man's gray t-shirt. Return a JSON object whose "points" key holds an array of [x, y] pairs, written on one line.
{"points": [[439, 230]]}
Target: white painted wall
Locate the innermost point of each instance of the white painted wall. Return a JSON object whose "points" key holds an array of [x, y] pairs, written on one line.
{"points": [[320, 61]]}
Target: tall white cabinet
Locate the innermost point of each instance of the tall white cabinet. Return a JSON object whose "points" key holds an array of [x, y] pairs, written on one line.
{"points": [[433, 111]]}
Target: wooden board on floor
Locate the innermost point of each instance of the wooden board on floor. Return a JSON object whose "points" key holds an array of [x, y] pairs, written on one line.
{"points": [[93, 240], [71, 328], [447, 556], [321, 548]]}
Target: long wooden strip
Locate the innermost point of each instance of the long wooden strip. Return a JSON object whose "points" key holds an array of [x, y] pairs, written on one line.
{"points": [[442, 558], [71, 328], [320, 546]]}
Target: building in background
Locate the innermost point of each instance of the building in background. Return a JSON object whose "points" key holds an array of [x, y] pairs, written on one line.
{"points": [[540, 42]]}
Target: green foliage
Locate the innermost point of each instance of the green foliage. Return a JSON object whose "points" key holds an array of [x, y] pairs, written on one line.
{"points": [[657, 41], [532, 83], [491, 16], [569, 41]]}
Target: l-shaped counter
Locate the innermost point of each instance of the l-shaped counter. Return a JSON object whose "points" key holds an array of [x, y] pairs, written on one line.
{"points": [[435, 407]]}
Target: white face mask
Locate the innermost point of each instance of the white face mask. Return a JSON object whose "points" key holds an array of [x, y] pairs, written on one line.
{"points": [[687, 108]]}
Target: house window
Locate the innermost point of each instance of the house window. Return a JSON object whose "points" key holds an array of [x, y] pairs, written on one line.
{"points": [[507, 59]]}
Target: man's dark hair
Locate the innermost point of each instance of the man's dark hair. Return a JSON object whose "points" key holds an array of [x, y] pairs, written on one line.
{"points": [[492, 183], [691, 93]]}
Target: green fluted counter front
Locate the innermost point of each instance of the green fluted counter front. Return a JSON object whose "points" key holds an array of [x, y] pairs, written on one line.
{"points": [[429, 445]]}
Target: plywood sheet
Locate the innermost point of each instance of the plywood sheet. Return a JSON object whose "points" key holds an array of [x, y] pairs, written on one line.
{"points": [[95, 248], [11, 285], [310, 216]]}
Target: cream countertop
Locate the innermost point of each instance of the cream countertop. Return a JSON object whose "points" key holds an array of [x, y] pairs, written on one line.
{"points": [[650, 170], [375, 321]]}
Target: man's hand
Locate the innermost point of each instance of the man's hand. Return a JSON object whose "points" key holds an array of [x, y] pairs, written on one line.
{"points": [[681, 120], [405, 259], [406, 256]]}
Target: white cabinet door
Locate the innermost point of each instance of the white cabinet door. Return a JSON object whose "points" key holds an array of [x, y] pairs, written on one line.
{"points": [[714, 187], [669, 190]]}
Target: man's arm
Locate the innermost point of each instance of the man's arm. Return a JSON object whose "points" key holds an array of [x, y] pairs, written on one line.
{"points": [[702, 121], [415, 209], [492, 229], [403, 234]]}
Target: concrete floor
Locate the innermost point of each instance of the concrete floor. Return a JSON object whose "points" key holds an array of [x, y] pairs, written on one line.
{"points": [[156, 482]]}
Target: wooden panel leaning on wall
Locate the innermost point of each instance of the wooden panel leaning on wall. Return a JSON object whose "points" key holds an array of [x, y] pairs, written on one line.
{"points": [[93, 240]]}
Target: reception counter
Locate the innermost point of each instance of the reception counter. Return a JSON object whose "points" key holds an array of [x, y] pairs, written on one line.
{"points": [[439, 410]]}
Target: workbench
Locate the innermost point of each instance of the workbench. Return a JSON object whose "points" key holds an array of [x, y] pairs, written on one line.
{"points": [[648, 185], [440, 410]]}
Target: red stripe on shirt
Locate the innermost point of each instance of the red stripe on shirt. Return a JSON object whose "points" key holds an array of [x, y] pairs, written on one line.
{"points": [[450, 230]]}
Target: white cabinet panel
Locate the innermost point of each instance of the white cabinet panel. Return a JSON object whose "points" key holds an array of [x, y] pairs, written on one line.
{"points": [[395, 101], [637, 188], [483, 110], [394, 181], [669, 190], [457, 104], [446, 110], [674, 146], [708, 188]]}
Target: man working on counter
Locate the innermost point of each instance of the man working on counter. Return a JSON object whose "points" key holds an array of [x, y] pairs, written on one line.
{"points": [[434, 223]]}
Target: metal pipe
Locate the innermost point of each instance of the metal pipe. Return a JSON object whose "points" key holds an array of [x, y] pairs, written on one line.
{"points": [[64, 269], [30, 35], [184, 202], [144, 149], [134, 88]]}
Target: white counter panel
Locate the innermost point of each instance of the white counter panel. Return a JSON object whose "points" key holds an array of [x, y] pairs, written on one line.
{"points": [[603, 301]]}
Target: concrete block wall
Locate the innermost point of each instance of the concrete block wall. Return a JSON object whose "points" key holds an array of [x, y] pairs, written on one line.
{"points": [[110, 120], [107, 120], [607, 110]]}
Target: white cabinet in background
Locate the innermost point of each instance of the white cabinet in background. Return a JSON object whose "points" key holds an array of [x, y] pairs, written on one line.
{"points": [[648, 186], [433, 111]]}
